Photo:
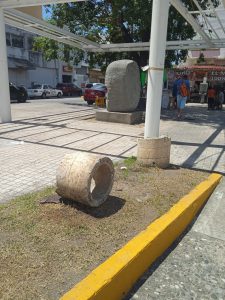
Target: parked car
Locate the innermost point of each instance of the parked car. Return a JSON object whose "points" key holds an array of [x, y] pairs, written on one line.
{"points": [[18, 93], [69, 89], [44, 91], [93, 90]]}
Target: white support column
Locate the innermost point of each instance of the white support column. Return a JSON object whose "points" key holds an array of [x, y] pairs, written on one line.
{"points": [[5, 109], [156, 67]]}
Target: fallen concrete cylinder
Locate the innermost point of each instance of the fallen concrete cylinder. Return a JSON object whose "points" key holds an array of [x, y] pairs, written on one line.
{"points": [[85, 178]]}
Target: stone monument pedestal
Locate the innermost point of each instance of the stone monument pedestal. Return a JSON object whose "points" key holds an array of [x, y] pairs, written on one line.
{"points": [[134, 117], [154, 151]]}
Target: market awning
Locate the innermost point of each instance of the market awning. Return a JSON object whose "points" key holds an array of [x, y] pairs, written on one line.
{"points": [[206, 67]]}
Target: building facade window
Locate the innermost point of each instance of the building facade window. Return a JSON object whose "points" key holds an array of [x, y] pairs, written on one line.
{"points": [[30, 42], [35, 58], [8, 39], [17, 41], [14, 40]]}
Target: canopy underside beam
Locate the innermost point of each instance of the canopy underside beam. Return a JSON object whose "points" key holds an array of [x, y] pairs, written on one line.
{"points": [[29, 23], [26, 3], [170, 45], [191, 20]]}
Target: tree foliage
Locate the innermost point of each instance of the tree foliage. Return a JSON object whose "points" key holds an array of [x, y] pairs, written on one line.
{"points": [[114, 21]]}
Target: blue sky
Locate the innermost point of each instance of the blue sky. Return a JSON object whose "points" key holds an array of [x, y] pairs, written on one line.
{"points": [[46, 15]]}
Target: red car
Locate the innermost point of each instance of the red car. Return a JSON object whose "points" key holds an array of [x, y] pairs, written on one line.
{"points": [[93, 90], [69, 89]]}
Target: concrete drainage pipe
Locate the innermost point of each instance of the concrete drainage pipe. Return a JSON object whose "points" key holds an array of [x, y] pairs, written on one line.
{"points": [[85, 178]]}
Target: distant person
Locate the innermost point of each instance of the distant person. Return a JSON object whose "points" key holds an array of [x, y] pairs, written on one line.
{"points": [[144, 90], [174, 93], [220, 100], [211, 94], [183, 92]]}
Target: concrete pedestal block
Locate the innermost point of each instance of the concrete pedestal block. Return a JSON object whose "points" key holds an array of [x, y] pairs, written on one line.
{"points": [[117, 117], [154, 151], [85, 178]]}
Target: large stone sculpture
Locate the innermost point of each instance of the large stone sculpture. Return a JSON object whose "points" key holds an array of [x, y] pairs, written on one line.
{"points": [[123, 85]]}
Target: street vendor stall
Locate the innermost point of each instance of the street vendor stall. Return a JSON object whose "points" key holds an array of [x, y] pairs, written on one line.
{"points": [[214, 76]]}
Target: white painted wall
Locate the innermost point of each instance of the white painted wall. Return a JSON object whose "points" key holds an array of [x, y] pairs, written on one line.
{"points": [[39, 75], [43, 75], [18, 77]]}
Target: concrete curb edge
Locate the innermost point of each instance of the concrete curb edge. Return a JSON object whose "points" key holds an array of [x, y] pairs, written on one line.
{"points": [[115, 277]]}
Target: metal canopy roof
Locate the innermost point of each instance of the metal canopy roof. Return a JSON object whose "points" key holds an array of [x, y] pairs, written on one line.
{"points": [[25, 3], [209, 25], [29, 23]]}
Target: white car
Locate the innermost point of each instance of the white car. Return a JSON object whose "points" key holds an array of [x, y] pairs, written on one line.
{"points": [[43, 91]]}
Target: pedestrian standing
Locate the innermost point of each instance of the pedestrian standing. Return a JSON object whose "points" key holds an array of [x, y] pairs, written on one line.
{"points": [[174, 94], [211, 94], [183, 92], [220, 100]]}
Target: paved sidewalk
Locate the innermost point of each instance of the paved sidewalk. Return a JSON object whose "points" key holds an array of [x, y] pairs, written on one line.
{"points": [[32, 146], [43, 131], [195, 268]]}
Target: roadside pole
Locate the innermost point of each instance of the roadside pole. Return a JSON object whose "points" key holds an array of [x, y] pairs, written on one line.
{"points": [[5, 109], [156, 67], [153, 149]]}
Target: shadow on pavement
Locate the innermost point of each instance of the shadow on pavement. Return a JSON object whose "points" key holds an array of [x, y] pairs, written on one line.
{"points": [[197, 115]]}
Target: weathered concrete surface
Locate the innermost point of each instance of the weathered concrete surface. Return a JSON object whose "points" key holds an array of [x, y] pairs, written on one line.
{"points": [[194, 269], [123, 86], [212, 219], [85, 178], [134, 117], [154, 151]]}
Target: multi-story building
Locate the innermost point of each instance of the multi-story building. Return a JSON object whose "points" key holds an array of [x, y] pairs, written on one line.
{"points": [[27, 66]]}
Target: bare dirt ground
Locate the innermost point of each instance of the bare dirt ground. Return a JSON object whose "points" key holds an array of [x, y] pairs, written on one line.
{"points": [[46, 248]]}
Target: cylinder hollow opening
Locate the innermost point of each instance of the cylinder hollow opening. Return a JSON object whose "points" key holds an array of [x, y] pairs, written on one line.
{"points": [[102, 183]]}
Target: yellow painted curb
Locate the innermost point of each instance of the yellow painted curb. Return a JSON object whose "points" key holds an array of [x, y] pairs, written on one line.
{"points": [[115, 277]]}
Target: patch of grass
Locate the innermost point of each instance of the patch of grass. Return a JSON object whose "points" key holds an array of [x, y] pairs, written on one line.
{"points": [[46, 248], [14, 213], [116, 163], [130, 161]]}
